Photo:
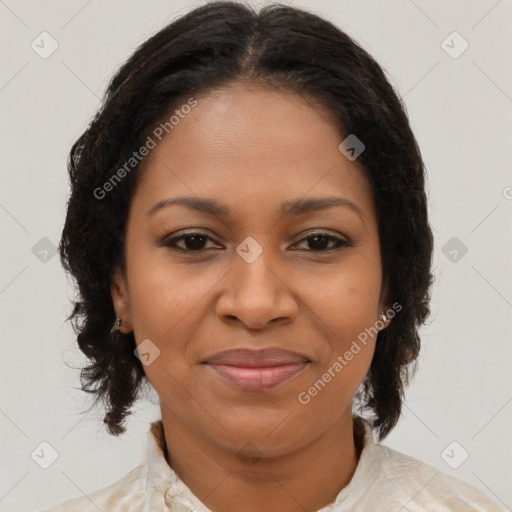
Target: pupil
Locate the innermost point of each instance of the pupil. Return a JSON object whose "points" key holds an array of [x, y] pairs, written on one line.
{"points": [[319, 245], [197, 242]]}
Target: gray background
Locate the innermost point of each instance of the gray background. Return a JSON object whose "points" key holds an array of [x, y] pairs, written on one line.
{"points": [[460, 112]]}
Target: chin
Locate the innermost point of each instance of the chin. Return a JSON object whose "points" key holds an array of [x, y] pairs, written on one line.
{"points": [[271, 433]]}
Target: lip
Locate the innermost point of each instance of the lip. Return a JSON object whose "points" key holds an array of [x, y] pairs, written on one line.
{"points": [[257, 370]]}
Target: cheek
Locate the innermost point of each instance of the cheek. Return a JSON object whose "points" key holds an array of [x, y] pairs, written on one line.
{"points": [[347, 306], [346, 296], [346, 300], [349, 316], [351, 311], [162, 294]]}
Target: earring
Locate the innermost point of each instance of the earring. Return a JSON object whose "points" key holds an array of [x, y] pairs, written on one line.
{"points": [[116, 325], [384, 318]]}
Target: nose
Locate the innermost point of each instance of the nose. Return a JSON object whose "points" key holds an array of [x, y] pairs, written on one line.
{"points": [[257, 293]]}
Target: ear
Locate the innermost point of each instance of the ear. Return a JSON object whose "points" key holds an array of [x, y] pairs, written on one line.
{"points": [[121, 300]]}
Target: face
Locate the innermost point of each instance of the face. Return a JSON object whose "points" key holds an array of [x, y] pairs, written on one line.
{"points": [[257, 272]]}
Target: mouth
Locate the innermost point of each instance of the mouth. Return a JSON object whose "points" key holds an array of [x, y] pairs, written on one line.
{"points": [[257, 370]]}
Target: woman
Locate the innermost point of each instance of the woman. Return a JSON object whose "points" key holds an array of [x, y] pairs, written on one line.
{"points": [[248, 231]]}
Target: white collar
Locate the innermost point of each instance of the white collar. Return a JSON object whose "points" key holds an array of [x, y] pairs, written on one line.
{"points": [[162, 487]]}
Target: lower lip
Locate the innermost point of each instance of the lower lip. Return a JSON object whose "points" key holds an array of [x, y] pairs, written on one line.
{"points": [[257, 379]]}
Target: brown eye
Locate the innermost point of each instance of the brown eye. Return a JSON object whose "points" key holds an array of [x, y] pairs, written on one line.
{"points": [[318, 242], [192, 242], [195, 242]]}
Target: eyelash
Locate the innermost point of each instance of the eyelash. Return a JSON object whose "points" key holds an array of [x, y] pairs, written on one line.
{"points": [[171, 242]]}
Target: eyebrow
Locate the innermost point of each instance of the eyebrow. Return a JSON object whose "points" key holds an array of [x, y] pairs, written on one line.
{"points": [[295, 207]]}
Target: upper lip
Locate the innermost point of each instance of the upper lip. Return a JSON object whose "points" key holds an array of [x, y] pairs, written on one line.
{"points": [[250, 358]]}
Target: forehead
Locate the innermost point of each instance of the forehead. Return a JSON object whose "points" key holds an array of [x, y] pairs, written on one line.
{"points": [[252, 147]]}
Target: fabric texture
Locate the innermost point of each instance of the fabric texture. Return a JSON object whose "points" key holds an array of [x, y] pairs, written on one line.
{"points": [[384, 481]]}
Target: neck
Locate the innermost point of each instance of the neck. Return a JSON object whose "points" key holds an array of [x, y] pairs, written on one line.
{"points": [[304, 480]]}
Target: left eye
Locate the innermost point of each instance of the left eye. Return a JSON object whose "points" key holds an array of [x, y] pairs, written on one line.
{"points": [[194, 242], [320, 240]]}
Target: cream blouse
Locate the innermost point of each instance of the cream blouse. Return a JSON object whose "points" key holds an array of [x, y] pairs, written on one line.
{"points": [[384, 481]]}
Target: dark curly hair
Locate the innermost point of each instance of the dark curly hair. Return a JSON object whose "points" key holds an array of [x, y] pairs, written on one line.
{"points": [[215, 45]]}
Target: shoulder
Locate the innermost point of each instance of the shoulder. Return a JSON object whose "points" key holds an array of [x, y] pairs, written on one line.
{"points": [[420, 486], [124, 495]]}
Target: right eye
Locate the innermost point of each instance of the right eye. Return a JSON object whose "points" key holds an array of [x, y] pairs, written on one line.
{"points": [[193, 241]]}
